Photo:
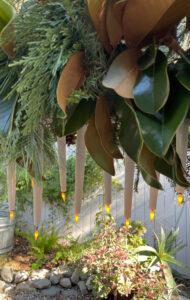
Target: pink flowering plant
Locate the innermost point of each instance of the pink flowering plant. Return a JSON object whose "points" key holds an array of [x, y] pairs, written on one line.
{"points": [[116, 269]]}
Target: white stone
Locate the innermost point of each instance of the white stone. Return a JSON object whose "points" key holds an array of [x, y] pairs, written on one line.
{"points": [[40, 274], [7, 274], [9, 288], [3, 296], [63, 271], [21, 276], [2, 285]]}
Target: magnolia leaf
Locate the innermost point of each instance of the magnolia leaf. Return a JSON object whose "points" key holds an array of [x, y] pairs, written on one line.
{"points": [[179, 171], [94, 146], [123, 73], [79, 116], [140, 17], [7, 108], [183, 74], [148, 58], [105, 128], [150, 180], [131, 141], [72, 78], [103, 33], [119, 8], [7, 14], [95, 8], [159, 130], [147, 166], [129, 134], [177, 11], [114, 28], [170, 171], [152, 88]]}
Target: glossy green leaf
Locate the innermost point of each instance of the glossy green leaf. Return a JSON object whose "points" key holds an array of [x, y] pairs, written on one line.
{"points": [[147, 166], [7, 12], [183, 74], [105, 128], [131, 141], [152, 88], [150, 180], [79, 115], [148, 58], [170, 171], [180, 172], [159, 130], [129, 134], [96, 150], [7, 108]]}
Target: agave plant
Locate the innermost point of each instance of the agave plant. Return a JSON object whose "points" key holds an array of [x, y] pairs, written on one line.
{"points": [[164, 254]]}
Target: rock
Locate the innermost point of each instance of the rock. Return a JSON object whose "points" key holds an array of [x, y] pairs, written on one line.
{"points": [[66, 283], [41, 284], [2, 285], [75, 277], [82, 287], [25, 287], [88, 284], [64, 271], [21, 276], [40, 274], [7, 274], [51, 292], [69, 294], [83, 276], [3, 296], [55, 279], [9, 288]]}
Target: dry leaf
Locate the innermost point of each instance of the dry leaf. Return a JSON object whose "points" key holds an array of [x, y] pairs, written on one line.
{"points": [[178, 10], [114, 28], [123, 73], [105, 128], [119, 8], [140, 17], [94, 146], [103, 33], [95, 8], [72, 78]]}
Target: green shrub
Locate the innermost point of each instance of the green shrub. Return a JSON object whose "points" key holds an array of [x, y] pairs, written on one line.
{"points": [[46, 243], [73, 251]]}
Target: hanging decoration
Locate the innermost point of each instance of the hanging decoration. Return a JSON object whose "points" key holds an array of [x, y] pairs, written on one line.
{"points": [[79, 172], [103, 67], [107, 192], [153, 201], [61, 143], [37, 206], [11, 188], [38, 187], [128, 190], [182, 147]]}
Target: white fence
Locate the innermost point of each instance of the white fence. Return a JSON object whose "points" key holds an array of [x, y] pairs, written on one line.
{"points": [[168, 215]]}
